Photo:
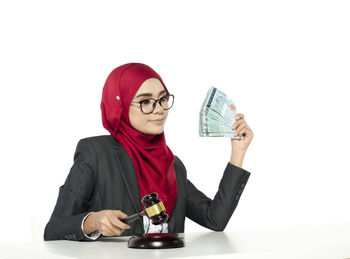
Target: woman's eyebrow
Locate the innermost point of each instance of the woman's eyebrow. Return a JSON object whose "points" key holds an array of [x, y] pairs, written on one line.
{"points": [[150, 95]]}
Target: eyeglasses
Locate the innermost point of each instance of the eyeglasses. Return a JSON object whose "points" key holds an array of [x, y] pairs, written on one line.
{"points": [[148, 105]]}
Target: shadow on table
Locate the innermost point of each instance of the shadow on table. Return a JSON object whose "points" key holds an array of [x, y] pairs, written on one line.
{"points": [[211, 243], [196, 244]]}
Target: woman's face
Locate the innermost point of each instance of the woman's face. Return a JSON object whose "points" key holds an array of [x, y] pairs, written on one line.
{"points": [[154, 122]]}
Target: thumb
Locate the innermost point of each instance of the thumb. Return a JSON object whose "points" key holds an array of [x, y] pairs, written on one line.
{"points": [[119, 214]]}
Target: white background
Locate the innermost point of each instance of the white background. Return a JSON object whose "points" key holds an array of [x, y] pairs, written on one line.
{"points": [[285, 64]]}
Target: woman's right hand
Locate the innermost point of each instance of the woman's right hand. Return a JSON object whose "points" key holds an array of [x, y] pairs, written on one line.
{"points": [[107, 222]]}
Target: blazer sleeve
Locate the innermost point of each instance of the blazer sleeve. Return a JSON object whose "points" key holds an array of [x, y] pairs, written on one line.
{"points": [[215, 214], [74, 196]]}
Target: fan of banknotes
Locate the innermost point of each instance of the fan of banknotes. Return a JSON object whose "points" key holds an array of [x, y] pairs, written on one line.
{"points": [[217, 115]]}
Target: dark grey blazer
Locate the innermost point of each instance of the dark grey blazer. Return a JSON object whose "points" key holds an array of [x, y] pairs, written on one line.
{"points": [[103, 177]]}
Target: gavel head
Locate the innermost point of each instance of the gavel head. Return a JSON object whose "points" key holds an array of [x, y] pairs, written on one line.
{"points": [[154, 208]]}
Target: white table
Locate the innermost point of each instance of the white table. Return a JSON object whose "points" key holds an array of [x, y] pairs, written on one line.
{"points": [[326, 241]]}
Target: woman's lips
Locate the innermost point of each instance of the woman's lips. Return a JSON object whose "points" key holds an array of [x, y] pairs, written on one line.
{"points": [[160, 121]]}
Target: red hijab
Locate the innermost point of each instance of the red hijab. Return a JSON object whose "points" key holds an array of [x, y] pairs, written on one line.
{"points": [[153, 160]]}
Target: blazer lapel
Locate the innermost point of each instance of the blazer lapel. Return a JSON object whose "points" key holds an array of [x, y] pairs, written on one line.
{"points": [[127, 170], [172, 220]]}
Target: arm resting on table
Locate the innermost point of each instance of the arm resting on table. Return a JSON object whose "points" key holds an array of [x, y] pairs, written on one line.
{"points": [[74, 197]]}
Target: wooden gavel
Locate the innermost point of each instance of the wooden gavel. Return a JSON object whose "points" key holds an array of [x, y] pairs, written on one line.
{"points": [[154, 210]]}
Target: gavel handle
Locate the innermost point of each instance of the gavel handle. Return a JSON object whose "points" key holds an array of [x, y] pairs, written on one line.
{"points": [[134, 217]]}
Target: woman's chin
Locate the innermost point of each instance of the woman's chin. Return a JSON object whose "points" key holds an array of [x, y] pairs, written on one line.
{"points": [[155, 130]]}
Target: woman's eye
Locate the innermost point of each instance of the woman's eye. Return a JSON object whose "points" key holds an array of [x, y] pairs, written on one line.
{"points": [[147, 101], [164, 98]]}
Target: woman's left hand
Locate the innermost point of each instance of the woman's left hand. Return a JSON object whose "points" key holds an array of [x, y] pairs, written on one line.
{"points": [[241, 128]]}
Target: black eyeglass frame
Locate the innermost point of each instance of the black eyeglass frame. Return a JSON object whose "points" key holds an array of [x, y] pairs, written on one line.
{"points": [[155, 103]]}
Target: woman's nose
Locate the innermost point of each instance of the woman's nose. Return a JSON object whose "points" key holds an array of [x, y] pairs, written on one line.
{"points": [[158, 108]]}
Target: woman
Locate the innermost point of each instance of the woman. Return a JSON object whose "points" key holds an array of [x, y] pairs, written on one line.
{"points": [[111, 173]]}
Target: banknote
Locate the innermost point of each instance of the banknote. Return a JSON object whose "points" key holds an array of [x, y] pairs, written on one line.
{"points": [[217, 115]]}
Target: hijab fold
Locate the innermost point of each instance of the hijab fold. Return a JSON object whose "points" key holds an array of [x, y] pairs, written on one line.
{"points": [[153, 159]]}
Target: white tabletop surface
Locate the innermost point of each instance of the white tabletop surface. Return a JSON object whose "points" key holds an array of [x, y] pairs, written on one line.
{"points": [[326, 241]]}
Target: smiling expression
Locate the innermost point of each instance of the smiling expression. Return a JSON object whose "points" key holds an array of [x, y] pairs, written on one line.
{"points": [[154, 122]]}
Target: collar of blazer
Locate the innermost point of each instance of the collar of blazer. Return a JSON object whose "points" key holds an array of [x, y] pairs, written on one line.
{"points": [[128, 173]]}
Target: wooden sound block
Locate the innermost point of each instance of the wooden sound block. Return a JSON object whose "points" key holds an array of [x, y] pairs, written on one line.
{"points": [[156, 241]]}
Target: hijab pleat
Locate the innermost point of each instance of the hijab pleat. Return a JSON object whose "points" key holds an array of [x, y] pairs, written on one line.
{"points": [[153, 159]]}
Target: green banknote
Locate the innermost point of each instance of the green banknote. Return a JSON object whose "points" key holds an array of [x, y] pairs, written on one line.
{"points": [[217, 115]]}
